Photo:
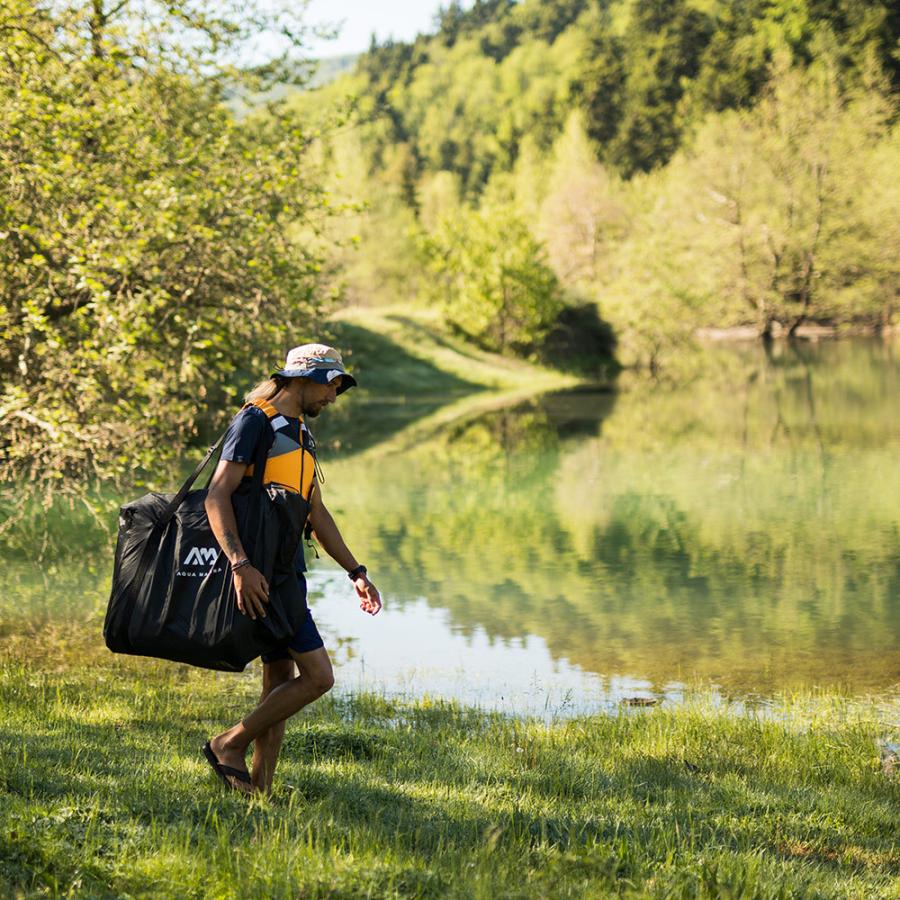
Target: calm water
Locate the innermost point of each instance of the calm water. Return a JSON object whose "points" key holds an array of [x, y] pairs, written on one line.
{"points": [[559, 554]]}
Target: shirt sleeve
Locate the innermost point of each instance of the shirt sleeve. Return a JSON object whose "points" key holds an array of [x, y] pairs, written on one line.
{"points": [[243, 435]]}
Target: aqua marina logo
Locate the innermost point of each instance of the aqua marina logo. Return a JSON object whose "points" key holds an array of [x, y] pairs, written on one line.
{"points": [[201, 556]]}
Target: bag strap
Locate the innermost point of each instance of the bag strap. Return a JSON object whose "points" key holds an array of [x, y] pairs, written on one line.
{"points": [[178, 499], [259, 464]]}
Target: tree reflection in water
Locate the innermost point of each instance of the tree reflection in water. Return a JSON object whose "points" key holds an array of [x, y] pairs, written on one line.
{"points": [[740, 528]]}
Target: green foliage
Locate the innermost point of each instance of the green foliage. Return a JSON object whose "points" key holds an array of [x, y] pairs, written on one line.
{"points": [[463, 99], [644, 72], [150, 248], [635, 83], [491, 278], [685, 165], [580, 211], [776, 216]]}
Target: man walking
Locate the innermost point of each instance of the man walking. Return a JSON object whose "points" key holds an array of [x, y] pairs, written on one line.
{"points": [[312, 378]]}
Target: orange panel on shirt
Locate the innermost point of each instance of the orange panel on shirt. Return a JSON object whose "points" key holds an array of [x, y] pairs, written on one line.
{"points": [[284, 469]]}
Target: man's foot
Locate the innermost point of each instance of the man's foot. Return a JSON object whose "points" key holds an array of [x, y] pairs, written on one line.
{"points": [[228, 764], [262, 788]]}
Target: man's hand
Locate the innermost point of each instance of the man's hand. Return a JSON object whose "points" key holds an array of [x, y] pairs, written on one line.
{"points": [[369, 598], [252, 591]]}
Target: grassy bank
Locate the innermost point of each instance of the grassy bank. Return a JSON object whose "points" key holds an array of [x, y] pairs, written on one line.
{"points": [[104, 792], [415, 377], [406, 350]]}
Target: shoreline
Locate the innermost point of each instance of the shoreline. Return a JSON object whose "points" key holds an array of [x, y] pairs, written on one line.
{"points": [[809, 332]]}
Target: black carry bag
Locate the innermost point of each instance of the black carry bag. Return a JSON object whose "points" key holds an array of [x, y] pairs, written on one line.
{"points": [[173, 594]]}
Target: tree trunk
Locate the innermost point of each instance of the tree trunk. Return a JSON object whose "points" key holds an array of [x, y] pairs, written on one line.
{"points": [[98, 27], [792, 331]]}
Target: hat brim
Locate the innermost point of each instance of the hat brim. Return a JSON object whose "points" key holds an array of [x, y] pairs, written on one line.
{"points": [[321, 376]]}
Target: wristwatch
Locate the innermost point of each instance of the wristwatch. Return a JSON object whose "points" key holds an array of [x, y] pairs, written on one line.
{"points": [[355, 573]]}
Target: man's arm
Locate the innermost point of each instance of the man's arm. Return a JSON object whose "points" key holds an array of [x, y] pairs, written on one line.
{"points": [[328, 535], [249, 583]]}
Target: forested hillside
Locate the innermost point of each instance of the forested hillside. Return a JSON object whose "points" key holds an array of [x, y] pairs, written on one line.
{"points": [[543, 168], [570, 180]]}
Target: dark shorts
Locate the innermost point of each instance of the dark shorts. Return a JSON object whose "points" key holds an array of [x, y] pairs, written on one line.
{"points": [[305, 640]]}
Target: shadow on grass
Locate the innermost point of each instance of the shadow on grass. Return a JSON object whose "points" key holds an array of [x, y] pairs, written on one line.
{"points": [[384, 367], [429, 785], [434, 336]]}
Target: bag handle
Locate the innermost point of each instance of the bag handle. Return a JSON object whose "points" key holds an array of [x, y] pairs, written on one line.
{"points": [[259, 466], [177, 500]]}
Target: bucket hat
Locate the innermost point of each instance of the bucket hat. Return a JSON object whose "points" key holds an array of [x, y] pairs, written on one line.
{"points": [[320, 363]]}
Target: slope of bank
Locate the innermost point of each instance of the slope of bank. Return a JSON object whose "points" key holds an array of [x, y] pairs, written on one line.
{"points": [[406, 351], [411, 372]]}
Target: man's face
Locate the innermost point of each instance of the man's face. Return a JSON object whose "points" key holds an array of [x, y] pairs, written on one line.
{"points": [[315, 397]]}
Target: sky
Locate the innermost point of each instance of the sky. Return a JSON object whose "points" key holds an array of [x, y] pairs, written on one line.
{"points": [[400, 19]]}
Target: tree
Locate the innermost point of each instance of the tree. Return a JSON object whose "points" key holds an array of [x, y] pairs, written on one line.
{"points": [[150, 247], [491, 278], [581, 217], [775, 217], [633, 85], [788, 187]]}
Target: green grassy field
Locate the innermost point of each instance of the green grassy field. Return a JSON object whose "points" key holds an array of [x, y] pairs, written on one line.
{"points": [[104, 792]]}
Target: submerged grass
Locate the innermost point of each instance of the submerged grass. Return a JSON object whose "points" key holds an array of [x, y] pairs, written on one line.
{"points": [[104, 792]]}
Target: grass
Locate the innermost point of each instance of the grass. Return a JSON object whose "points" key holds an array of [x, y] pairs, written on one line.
{"points": [[415, 377], [104, 793], [406, 350]]}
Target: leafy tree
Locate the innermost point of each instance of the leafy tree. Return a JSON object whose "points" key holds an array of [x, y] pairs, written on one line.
{"points": [[582, 216], [734, 68], [776, 216], [633, 90], [794, 182], [151, 249], [454, 22], [491, 278]]}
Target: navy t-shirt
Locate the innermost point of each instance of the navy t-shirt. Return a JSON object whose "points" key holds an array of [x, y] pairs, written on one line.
{"points": [[241, 444]]}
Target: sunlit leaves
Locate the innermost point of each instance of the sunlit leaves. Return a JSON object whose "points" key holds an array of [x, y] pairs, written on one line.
{"points": [[148, 250], [492, 278]]}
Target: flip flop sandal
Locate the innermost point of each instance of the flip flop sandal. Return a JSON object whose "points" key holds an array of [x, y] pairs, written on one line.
{"points": [[225, 772]]}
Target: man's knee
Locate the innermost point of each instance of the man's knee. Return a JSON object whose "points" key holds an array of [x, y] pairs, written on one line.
{"points": [[319, 678], [322, 681], [316, 673]]}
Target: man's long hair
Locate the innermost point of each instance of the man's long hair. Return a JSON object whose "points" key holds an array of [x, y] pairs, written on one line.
{"points": [[266, 389]]}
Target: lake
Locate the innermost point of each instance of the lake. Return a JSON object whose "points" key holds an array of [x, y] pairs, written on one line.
{"points": [[737, 530]]}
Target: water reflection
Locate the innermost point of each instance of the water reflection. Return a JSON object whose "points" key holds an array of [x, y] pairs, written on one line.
{"points": [[565, 551], [417, 650], [740, 530]]}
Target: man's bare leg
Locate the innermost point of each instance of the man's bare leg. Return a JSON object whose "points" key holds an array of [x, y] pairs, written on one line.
{"points": [[267, 745], [315, 679]]}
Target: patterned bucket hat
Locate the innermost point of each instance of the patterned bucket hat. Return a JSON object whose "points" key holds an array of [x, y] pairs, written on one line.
{"points": [[320, 363]]}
